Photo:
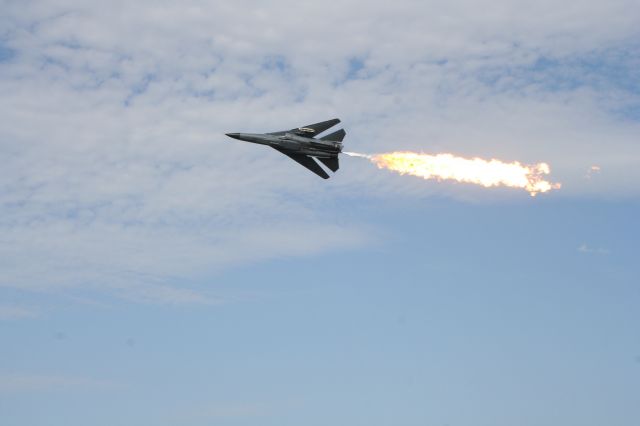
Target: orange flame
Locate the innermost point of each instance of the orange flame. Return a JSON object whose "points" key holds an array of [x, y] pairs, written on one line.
{"points": [[487, 173]]}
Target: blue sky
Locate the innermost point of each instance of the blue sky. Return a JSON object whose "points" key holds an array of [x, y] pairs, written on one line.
{"points": [[153, 271]]}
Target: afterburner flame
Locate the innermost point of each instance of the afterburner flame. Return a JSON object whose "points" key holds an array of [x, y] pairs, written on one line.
{"points": [[487, 173]]}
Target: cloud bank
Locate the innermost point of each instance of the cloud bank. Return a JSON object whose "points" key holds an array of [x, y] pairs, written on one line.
{"points": [[116, 175]]}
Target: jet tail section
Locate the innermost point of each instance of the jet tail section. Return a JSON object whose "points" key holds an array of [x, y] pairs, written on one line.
{"points": [[335, 136], [332, 163]]}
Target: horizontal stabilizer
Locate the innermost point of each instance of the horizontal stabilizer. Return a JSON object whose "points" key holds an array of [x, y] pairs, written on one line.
{"points": [[331, 163], [335, 136]]}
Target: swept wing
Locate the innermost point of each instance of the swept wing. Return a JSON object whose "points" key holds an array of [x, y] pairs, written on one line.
{"points": [[310, 130], [306, 161]]}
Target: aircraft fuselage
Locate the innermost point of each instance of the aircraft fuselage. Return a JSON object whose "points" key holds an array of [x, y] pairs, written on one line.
{"points": [[293, 143]]}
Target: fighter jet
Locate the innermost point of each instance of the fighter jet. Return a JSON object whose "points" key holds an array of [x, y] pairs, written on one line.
{"points": [[300, 144]]}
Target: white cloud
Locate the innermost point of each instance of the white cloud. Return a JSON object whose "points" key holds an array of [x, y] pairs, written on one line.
{"points": [[116, 174], [584, 248]]}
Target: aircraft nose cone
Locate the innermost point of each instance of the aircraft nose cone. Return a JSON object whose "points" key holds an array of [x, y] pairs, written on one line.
{"points": [[233, 135]]}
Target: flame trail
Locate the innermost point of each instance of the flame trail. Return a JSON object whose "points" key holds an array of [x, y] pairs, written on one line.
{"points": [[487, 173]]}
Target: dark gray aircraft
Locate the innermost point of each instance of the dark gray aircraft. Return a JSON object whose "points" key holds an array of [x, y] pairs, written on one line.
{"points": [[301, 145]]}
